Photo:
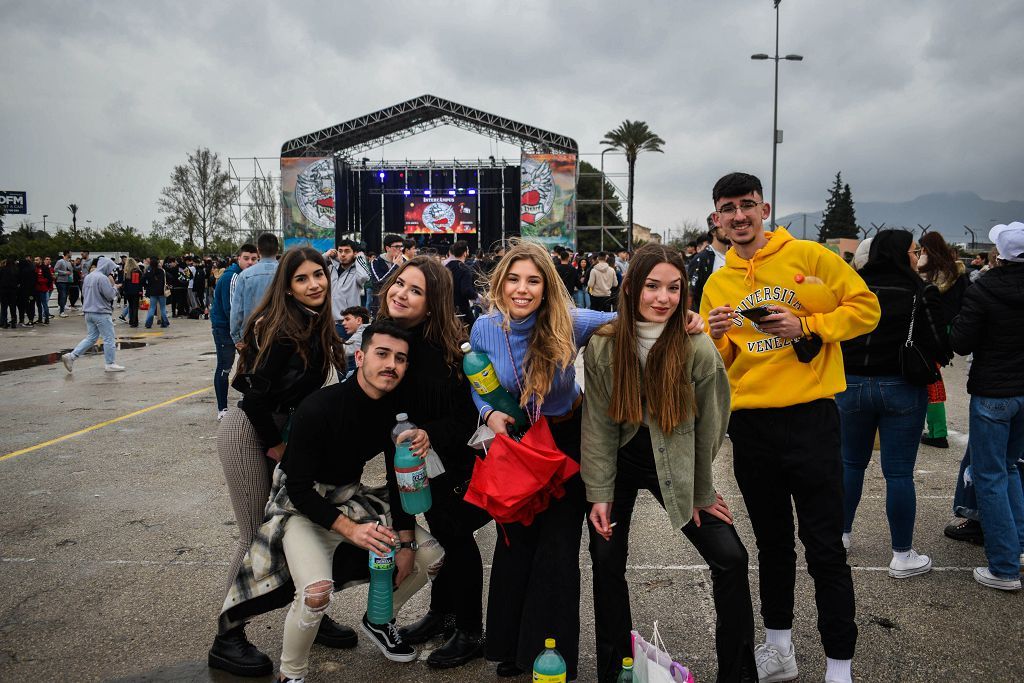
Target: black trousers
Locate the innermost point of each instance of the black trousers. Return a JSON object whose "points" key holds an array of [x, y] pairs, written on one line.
{"points": [[534, 591], [786, 457], [601, 303], [26, 306], [459, 587], [179, 301], [133, 309], [715, 540]]}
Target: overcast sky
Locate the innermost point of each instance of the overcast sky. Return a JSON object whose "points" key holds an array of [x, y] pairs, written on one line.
{"points": [[101, 99]]}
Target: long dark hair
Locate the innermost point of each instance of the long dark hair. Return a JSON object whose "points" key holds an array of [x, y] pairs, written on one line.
{"points": [[279, 317], [889, 252], [941, 262], [665, 384], [442, 328]]}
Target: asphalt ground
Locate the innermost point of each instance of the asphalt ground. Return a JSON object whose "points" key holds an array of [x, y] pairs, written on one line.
{"points": [[114, 542]]}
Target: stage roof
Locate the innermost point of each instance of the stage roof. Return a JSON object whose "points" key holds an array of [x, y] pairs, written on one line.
{"points": [[415, 116]]}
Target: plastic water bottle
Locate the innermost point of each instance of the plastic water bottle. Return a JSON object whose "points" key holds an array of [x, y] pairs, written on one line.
{"points": [[481, 375], [626, 675], [549, 667], [814, 295], [379, 604], [411, 471]]}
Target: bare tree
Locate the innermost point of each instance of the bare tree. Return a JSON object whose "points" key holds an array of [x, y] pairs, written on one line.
{"points": [[262, 213], [196, 202]]}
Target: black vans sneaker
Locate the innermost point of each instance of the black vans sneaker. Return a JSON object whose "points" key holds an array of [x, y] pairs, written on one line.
{"points": [[386, 638]]}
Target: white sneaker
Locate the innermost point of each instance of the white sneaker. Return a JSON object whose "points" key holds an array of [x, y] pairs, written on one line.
{"points": [[912, 566], [113, 367], [773, 665], [983, 576], [63, 315], [69, 362], [221, 414], [847, 540]]}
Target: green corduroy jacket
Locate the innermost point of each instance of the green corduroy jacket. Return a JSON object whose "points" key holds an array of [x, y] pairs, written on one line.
{"points": [[683, 457]]}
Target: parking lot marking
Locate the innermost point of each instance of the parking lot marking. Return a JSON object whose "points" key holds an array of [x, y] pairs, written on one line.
{"points": [[105, 423]]}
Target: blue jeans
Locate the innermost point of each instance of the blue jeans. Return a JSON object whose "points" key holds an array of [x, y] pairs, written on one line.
{"points": [[62, 295], [997, 443], [43, 305], [896, 409], [153, 301], [225, 359], [98, 325], [582, 298]]}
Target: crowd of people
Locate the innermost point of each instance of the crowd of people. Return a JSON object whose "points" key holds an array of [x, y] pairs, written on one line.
{"points": [[806, 363]]}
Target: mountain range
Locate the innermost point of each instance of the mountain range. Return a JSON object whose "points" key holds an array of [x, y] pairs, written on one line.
{"points": [[946, 212]]}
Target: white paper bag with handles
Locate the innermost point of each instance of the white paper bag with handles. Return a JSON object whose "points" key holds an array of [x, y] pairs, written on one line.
{"points": [[653, 664]]}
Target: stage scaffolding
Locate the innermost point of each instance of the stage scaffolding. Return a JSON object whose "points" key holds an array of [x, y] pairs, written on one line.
{"points": [[247, 172]]}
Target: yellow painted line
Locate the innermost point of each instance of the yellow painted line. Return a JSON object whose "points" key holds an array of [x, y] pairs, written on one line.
{"points": [[103, 424]]}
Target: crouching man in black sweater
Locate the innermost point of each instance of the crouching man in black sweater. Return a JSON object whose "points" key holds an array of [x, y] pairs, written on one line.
{"points": [[322, 520]]}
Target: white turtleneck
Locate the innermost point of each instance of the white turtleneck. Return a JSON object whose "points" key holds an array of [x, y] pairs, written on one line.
{"points": [[646, 336]]}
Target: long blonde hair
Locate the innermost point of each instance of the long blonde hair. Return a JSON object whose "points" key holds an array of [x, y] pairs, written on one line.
{"points": [[552, 346]]}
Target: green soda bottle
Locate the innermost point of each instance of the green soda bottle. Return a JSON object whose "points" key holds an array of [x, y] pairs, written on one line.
{"points": [[549, 667], [481, 375], [626, 675]]}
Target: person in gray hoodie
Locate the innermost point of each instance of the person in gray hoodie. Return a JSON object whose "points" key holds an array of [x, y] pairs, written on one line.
{"points": [[98, 295]]}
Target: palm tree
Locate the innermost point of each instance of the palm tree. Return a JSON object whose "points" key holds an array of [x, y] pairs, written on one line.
{"points": [[73, 208], [632, 137]]}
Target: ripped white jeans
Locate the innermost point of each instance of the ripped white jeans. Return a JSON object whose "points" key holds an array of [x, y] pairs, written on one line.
{"points": [[309, 549]]}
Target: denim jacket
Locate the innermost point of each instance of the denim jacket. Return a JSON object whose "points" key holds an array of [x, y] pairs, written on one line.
{"points": [[683, 457], [249, 288]]}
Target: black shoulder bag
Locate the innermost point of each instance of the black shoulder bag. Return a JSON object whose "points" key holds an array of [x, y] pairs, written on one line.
{"points": [[914, 366]]}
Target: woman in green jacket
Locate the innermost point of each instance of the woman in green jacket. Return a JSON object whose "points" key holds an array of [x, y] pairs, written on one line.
{"points": [[655, 413]]}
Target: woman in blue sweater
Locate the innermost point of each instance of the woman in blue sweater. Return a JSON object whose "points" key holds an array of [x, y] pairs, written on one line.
{"points": [[532, 336]]}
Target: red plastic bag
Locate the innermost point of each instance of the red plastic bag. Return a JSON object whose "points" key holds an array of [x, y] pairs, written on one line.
{"points": [[518, 479]]}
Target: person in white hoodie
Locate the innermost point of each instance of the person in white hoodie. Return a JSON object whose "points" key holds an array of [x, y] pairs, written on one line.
{"points": [[98, 293], [601, 282]]}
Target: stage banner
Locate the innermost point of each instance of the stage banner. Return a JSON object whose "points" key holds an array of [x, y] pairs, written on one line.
{"points": [[547, 203], [14, 201], [440, 215], [307, 201]]}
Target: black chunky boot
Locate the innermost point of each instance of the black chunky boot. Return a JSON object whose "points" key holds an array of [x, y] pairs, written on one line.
{"points": [[232, 652], [462, 648], [432, 624], [333, 634]]}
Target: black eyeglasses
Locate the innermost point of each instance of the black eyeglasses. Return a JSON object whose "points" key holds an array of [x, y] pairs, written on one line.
{"points": [[746, 206]]}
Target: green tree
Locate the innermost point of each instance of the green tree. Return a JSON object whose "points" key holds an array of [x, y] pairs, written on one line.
{"points": [[73, 208], [632, 137], [197, 200], [839, 218], [589, 207]]}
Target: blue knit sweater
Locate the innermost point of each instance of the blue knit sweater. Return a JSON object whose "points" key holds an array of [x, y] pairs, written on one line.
{"points": [[489, 337]]}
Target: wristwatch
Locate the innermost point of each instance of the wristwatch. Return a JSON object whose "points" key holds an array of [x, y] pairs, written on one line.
{"points": [[411, 545]]}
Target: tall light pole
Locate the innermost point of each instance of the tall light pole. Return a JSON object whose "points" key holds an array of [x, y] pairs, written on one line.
{"points": [[45, 216], [776, 133]]}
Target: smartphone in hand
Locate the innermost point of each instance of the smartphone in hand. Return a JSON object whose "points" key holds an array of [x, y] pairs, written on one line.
{"points": [[756, 314]]}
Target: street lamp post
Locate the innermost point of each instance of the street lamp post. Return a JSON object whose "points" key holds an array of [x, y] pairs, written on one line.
{"points": [[776, 133], [45, 216]]}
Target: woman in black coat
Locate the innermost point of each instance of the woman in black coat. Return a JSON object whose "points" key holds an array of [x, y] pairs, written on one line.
{"points": [[27, 291]]}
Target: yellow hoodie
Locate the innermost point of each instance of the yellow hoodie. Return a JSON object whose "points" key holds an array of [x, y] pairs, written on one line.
{"points": [[764, 371]]}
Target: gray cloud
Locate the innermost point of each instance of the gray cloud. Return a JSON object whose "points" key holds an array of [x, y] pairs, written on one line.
{"points": [[102, 99]]}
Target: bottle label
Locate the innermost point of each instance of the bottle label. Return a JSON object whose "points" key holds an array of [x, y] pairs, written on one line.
{"points": [[549, 678], [382, 563], [412, 479], [485, 381]]}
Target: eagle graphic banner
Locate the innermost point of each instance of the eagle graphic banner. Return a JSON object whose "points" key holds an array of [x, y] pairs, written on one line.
{"points": [[307, 201], [547, 202]]}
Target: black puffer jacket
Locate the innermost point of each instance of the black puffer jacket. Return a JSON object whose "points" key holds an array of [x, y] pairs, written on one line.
{"points": [[878, 352], [991, 325]]}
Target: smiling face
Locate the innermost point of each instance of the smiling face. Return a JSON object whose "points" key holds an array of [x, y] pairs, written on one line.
{"points": [[382, 366], [407, 298], [523, 289], [742, 218], [309, 284], [661, 293]]}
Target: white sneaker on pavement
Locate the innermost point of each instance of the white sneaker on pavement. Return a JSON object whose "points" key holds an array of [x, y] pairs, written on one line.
{"points": [[63, 314], [913, 565], [986, 578], [847, 540], [113, 367], [773, 665], [221, 414], [69, 362]]}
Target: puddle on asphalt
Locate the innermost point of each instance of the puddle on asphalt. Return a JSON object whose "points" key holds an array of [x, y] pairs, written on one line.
{"points": [[54, 358]]}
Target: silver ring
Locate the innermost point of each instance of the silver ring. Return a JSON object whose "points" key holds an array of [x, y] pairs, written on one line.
{"points": [[377, 527]]}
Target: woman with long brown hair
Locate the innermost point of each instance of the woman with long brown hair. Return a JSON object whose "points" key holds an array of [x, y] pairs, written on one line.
{"points": [[435, 394], [938, 265], [289, 350], [656, 411]]}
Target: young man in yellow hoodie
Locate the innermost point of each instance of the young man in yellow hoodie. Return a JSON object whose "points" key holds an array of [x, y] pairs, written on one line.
{"points": [[777, 312]]}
